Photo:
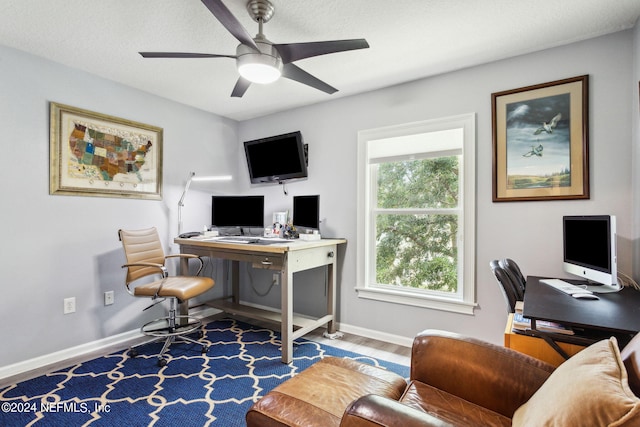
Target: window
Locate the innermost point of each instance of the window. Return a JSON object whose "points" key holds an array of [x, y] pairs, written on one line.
{"points": [[416, 214]]}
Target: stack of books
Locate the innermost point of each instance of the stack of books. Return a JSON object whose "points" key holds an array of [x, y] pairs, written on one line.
{"points": [[522, 324]]}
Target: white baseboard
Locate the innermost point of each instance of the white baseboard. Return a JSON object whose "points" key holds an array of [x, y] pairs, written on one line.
{"points": [[376, 335], [68, 353], [85, 349], [202, 311]]}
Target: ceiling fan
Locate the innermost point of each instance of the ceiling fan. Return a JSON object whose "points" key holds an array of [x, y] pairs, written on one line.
{"points": [[261, 61]]}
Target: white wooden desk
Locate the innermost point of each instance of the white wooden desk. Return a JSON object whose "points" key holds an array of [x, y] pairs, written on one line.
{"points": [[287, 258]]}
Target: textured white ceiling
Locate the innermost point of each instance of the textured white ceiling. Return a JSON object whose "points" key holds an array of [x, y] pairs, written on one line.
{"points": [[409, 39]]}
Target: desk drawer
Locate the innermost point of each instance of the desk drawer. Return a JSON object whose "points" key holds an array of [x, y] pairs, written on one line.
{"points": [[270, 262], [311, 258]]}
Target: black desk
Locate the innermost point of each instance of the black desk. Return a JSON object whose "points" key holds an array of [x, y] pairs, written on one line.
{"points": [[616, 314]]}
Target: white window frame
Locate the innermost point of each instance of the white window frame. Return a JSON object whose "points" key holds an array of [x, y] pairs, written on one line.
{"points": [[369, 145]]}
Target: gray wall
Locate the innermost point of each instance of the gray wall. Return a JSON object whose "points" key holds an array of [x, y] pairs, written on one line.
{"points": [[62, 246], [529, 232]]}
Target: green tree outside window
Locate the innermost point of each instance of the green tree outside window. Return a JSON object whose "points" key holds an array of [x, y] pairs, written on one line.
{"points": [[417, 223]]}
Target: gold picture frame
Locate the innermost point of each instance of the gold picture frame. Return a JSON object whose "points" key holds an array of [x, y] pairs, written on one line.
{"points": [[94, 154], [541, 141]]}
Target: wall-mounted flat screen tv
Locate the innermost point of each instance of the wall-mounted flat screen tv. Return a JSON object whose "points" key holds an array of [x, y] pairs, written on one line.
{"points": [[276, 158]]}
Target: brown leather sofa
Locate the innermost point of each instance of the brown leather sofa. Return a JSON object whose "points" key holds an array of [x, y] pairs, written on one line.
{"points": [[462, 381]]}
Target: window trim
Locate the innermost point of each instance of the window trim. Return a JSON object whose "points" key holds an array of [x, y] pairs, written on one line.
{"points": [[466, 302]]}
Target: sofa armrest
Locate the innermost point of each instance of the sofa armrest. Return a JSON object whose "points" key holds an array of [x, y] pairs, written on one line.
{"points": [[377, 411], [492, 376]]}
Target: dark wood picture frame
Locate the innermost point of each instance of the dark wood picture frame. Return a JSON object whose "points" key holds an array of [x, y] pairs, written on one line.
{"points": [[541, 141]]}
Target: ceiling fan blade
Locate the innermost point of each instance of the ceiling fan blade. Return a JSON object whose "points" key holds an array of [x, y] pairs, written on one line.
{"points": [[296, 73], [230, 22], [182, 55], [240, 88], [294, 51]]}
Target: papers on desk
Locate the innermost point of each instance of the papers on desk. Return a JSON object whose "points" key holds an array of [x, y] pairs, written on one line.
{"points": [[522, 324]]}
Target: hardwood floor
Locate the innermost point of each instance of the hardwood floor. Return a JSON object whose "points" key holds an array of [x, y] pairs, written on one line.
{"points": [[374, 348]]}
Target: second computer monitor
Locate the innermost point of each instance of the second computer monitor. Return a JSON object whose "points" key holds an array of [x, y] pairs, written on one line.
{"points": [[237, 211], [306, 212]]}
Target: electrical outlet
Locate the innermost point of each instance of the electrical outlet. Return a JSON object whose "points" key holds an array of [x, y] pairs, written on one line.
{"points": [[69, 305], [276, 279], [109, 297]]}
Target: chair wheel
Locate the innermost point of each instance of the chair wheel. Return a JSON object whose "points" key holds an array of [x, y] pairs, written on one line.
{"points": [[205, 349], [201, 334], [133, 353], [162, 362]]}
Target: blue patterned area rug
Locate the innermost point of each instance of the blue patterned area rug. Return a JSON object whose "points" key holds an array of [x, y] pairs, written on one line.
{"points": [[242, 365]]}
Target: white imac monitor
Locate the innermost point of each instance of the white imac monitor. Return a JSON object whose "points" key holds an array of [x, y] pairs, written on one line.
{"points": [[589, 250]]}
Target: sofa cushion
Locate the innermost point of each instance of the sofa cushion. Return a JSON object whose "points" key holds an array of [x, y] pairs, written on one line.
{"points": [[590, 389], [450, 408]]}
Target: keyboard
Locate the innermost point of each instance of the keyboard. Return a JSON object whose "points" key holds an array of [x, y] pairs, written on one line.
{"points": [[239, 239], [274, 240], [565, 287]]}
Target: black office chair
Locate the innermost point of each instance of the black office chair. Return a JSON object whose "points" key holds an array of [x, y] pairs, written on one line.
{"points": [[507, 285], [515, 274]]}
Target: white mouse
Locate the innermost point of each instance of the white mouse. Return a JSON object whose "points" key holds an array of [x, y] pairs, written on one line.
{"points": [[584, 295]]}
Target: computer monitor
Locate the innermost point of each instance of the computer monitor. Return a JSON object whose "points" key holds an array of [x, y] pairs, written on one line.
{"points": [[237, 211], [589, 250], [306, 212]]}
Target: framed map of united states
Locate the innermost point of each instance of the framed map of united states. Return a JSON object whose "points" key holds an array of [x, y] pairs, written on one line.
{"points": [[93, 154]]}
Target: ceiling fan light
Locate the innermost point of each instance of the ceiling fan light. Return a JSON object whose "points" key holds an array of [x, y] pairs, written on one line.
{"points": [[257, 72], [262, 67]]}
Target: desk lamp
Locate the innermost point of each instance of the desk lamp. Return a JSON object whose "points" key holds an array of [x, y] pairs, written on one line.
{"points": [[193, 177]]}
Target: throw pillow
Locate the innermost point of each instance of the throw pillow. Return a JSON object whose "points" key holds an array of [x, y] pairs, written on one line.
{"points": [[590, 389]]}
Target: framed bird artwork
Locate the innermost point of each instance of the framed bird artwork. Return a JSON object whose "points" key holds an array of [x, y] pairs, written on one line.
{"points": [[541, 141]]}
